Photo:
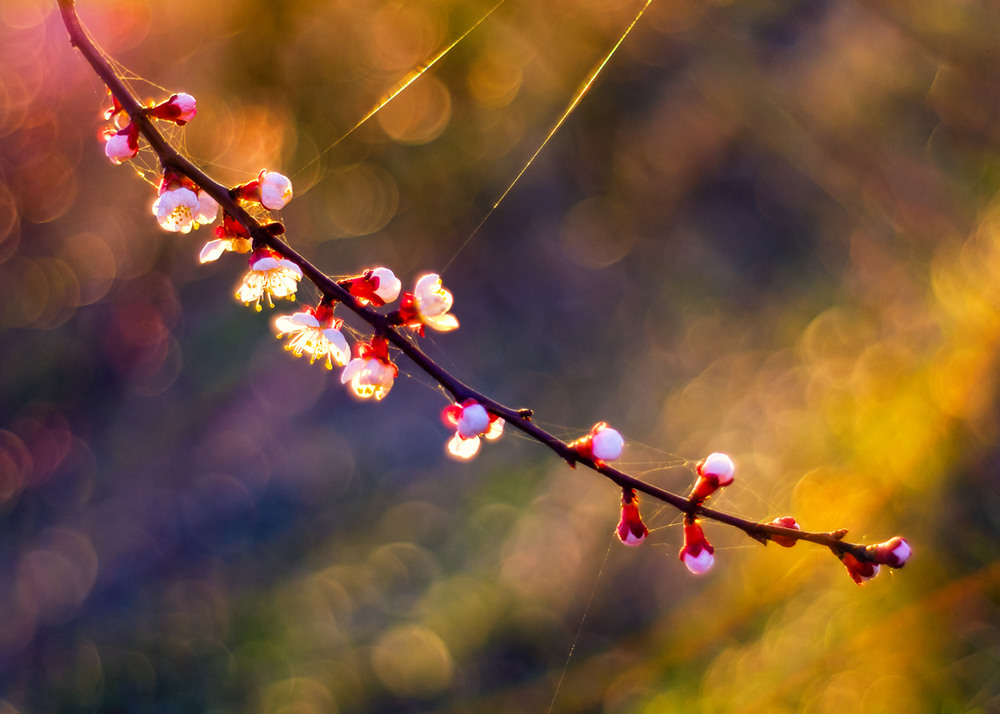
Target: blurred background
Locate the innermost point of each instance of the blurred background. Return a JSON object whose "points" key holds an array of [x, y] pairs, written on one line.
{"points": [[770, 229]]}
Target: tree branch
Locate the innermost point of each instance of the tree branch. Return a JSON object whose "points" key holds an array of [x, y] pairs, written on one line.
{"points": [[520, 419]]}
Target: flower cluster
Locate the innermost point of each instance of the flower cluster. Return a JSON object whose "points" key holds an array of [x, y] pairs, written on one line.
{"points": [[892, 553], [470, 420]]}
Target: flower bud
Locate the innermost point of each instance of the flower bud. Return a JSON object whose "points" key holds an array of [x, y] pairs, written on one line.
{"points": [[275, 190], [785, 522], [894, 552], [697, 553], [180, 109], [602, 443], [122, 145], [860, 571], [631, 530], [714, 471]]}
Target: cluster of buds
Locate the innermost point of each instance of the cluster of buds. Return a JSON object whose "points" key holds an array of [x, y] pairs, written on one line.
{"points": [[122, 144], [471, 420], [893, 553]]}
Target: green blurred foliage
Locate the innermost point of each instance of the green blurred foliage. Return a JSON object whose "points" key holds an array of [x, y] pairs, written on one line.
{"points": [[770, 229]]}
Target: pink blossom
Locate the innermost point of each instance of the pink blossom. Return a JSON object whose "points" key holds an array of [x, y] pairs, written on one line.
{"points": [[270, 189], [894, 552], [631, 530], [602, 443], [697, 553], [122, 145], [270, 276], [428, 305], [180, 109], [471, 420], [714, 471], [378, 287], [316, 332], [785, 522], [860, 571], [176, 209], [370, 374]]}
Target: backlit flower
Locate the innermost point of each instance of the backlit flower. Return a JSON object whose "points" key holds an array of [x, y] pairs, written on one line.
{"points": [[316, 332], [602, 443], [270, 276], [176, 209], [428, 305], [894, 552], [631, 530], [471, 420], [860, 571], [714, 472], [370, 375], [378, 287], [232, 236], [180, 109], [785, 522], [697, 553], [270, 189], [123, 144]]}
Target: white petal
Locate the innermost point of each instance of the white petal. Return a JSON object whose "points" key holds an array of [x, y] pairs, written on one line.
{"points": [[441, 323], [212, 250], [607, 444], [463, 448], [701, 563], [474, 421]]}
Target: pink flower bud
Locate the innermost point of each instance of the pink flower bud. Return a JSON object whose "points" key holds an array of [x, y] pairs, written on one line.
{"points": [[785, 522], [859, 571], [378, 287], [602, 443], [631, 530], [471, 421], [714, 471], [122, 145], [894, 552], [275, 190], [697, 553], [180, 109]]}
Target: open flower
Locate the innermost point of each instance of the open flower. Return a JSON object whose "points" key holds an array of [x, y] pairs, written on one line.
{"points": [[316, 332], [714, 472], [602, 443], [428, 305], [232, 236], [270, 276], [860, 571], [785, 522], [471, 420], [894, 552], [370, 374], [122, 145], [378, 287], [270, 189], [176, 209], [180, 109], [631, 530], [697, 553]]}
